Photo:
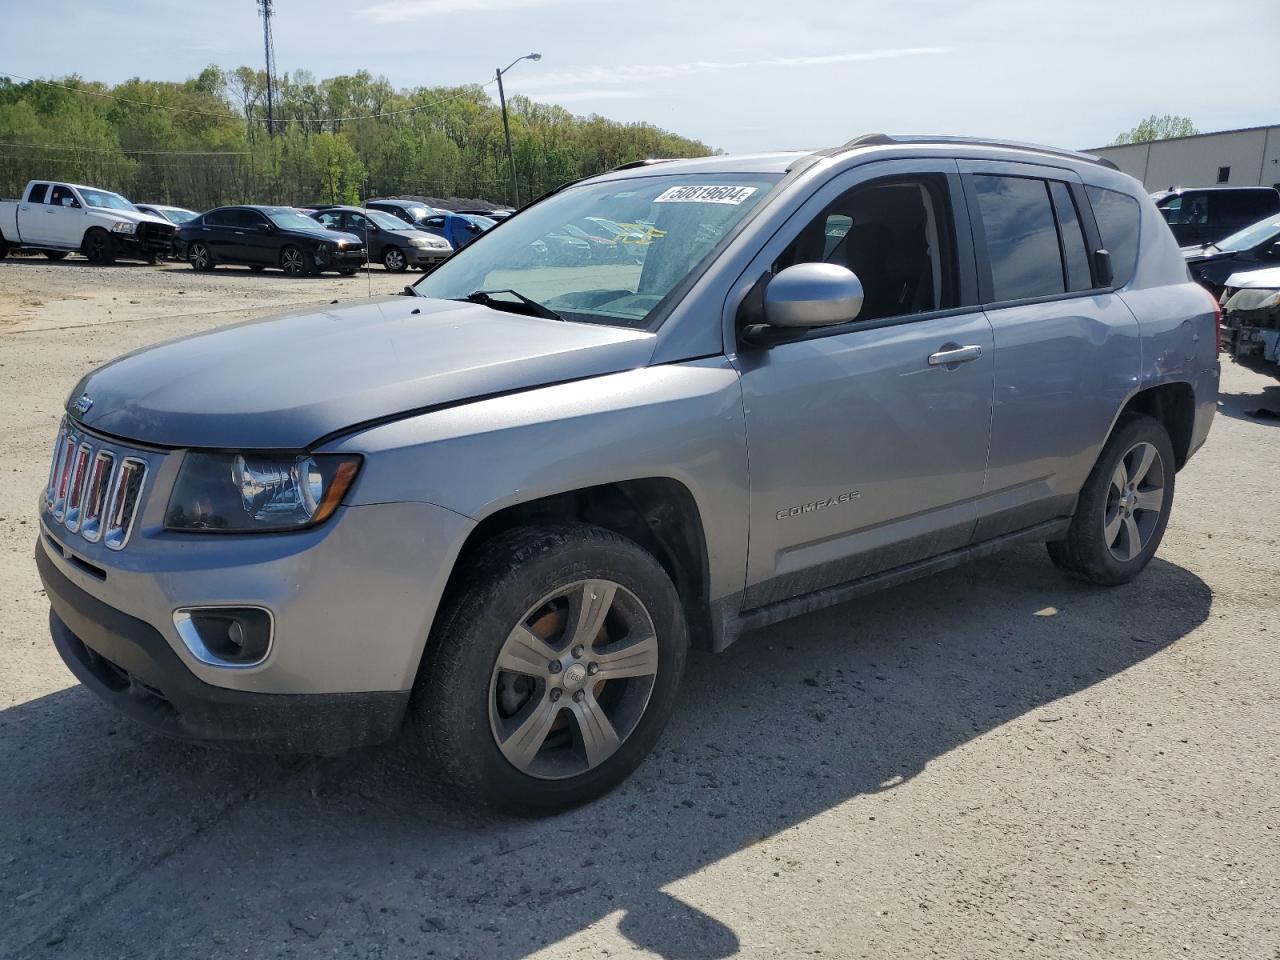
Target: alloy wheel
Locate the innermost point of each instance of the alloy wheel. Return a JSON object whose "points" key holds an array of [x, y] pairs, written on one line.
{"points": [[573, 679], [199, 256], [394, 260], [292, 262], [1135, 499]]}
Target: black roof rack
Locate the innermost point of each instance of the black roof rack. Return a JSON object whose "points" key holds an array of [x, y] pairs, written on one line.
{"points": [[649, 161], [884, 140]]}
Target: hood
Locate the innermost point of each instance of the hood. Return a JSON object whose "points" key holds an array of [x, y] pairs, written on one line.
{"points": [[284, 382], [1268, 278], [132, 216], [321, 233]]}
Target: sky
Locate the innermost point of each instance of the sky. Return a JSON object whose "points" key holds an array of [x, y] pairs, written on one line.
{"points": [[739, 75]]}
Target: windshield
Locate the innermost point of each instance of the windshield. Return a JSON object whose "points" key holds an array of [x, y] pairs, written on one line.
{"points": [[288, 219], [1251, 236], [623, 285], [484, 223], [104, 198], [175, 215], [385, 220]]}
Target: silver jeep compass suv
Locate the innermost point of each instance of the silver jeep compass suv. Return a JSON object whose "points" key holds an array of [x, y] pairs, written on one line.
{"points": [[499, 510]]}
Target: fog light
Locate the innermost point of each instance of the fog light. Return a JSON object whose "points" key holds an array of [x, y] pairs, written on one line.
{"points": [[226, 636]]}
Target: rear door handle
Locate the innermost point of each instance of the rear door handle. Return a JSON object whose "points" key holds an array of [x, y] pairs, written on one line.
{"points": [[953, 353]]}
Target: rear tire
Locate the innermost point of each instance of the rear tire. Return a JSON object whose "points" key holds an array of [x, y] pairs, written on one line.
{"points": [[200, 257], [545, 736], [1123, 507], [56, 254], [97, 247]]}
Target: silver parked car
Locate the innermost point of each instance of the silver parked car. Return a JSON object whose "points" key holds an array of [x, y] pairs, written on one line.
{"points": [[500, 510]]}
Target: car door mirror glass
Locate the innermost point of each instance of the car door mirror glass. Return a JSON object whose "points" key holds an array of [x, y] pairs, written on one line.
{"points": [[812, 295]]}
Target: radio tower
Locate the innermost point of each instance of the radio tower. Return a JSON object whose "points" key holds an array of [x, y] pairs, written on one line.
{"points": [[264, 8]]}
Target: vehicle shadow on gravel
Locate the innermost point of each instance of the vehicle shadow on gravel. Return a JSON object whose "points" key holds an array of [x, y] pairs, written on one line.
{"points": [[1242, 406], [217, 854]]}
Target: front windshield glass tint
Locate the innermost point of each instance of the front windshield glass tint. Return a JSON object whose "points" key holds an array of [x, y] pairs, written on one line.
{"points": [[1250, 237], [102, 198], [292, 220], [596, 277], [385, 220], [180, 216]]}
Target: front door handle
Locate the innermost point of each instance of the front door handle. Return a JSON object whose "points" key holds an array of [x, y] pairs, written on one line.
{"points": [[952, 353]]}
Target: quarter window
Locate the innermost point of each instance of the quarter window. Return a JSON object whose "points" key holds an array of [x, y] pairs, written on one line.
{"points": [[896, 235], [1022, 238], [1117, 215]]}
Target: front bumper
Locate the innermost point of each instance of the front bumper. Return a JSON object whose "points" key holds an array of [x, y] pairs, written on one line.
{"points": [[420, 257], [346, 258], [129, 664]]}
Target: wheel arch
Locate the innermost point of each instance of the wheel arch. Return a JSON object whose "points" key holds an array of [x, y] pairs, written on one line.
{"points": [[659, 513], [1173, 404]]}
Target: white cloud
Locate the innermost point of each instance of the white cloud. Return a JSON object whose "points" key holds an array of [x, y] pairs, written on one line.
{"points": [[577, 96], [399, 11], [591, 76]]}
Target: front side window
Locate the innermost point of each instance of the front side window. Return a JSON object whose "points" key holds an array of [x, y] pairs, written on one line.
{"points": [[896, 235], [1117, 215], [1022, 237], [537, 255], [62, 196]]}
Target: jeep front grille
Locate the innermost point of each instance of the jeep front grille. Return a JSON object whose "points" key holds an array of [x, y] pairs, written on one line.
{"points": [[92, 491]]}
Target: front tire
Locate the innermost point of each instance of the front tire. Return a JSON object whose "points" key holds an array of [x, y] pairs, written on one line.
{"points": [[1123, 507], [97, 247], [552, 670], [293, 261], [394, 260]]}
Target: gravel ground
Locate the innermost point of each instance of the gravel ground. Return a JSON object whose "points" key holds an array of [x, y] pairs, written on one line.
{"points": [[995, 762]]}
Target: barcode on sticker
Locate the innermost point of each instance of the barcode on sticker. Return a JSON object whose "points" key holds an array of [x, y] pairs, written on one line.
{"points": [[694, 194]]}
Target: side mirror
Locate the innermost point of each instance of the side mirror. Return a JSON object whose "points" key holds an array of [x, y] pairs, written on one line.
{"points": [[1102, 268], [812, 295]]}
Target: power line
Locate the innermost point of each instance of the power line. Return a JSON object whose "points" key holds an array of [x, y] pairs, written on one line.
{"points": [[235, 116]]}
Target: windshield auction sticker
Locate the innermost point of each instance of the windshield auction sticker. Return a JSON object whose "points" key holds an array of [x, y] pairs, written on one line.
{"points": [[731, 195]]}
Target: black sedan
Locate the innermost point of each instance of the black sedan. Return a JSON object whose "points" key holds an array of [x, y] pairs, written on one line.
{"points": [[259, 237], [1255, 246], [389, 240]]}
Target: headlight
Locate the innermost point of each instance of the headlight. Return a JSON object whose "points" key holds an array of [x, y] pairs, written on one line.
{"points": [[250, 492], [421, 242], [124, 227], [1252, 298]]}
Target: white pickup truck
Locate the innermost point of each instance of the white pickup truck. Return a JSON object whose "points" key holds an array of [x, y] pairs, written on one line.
{"points": [[62, 218]]}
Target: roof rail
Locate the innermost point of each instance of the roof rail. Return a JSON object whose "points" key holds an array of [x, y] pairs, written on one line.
{"points": [[884, 140], [648, 161]]}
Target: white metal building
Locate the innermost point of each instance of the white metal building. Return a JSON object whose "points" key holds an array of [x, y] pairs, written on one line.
{"points": [[1249, 157]]}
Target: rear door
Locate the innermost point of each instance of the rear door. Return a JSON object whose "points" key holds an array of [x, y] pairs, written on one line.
{"points": [[867, 448], [1067, 349], [217, 233]]}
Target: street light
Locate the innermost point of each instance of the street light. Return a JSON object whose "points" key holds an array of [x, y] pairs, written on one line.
{"points": [[506, 127]]}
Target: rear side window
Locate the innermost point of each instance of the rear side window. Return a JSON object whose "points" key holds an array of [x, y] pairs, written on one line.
{"points": [[1075, 254], [38, 191], [1022, 237], [219, 218], [1241, 204], [1117, 215]]}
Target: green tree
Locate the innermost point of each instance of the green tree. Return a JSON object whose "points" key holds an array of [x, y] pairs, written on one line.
{"points": [[1155, 127]]}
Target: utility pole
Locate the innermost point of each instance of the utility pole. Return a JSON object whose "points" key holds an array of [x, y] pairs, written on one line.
{"points": [[264, 8], [506, 125]]}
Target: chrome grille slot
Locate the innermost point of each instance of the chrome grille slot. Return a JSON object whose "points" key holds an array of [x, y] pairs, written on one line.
{"points": [[95, 498], [93, 491], [66, 453], [76, 489], [126, 491]]}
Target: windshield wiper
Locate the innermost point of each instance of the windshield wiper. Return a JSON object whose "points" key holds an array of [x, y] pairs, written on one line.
{"points": [[532, 307], [1206, 246]]}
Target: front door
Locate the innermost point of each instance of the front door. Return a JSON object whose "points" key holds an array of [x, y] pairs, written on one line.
{"points": [[867, 441], [67, 217]]}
